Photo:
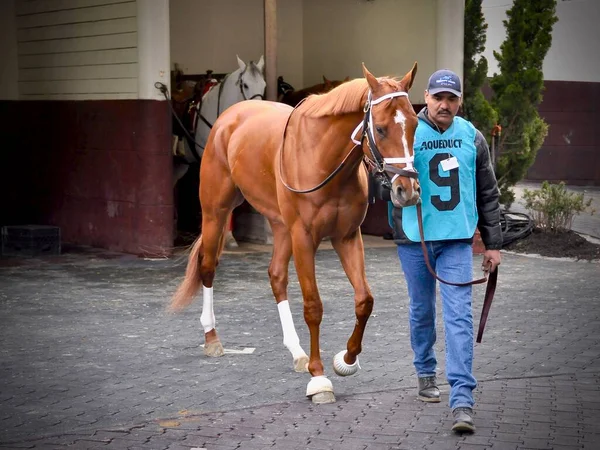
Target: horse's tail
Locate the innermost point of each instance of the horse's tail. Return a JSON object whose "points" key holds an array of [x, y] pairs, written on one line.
{"points": [[190, 285]]}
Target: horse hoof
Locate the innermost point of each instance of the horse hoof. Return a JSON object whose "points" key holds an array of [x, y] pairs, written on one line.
{"points": [[214, 349], [320, 390], [301, 364], [323, 398], [231, 244], [343, 369]]}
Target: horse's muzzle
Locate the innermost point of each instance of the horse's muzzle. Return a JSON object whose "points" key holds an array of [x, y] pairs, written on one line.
{"points": [[402, 196]]}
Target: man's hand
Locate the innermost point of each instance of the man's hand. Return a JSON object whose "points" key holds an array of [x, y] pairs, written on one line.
{"points": [[491, 260]]}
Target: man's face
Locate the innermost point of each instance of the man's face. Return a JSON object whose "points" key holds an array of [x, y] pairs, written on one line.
{"points": [[442, 107]]}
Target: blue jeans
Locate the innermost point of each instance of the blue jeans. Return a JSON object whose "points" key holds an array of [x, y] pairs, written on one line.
{"points": [[452, 261]]}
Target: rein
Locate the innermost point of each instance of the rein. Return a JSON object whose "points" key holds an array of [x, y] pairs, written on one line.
{"points": [[322, 183], [490, 277], [380, 164]]}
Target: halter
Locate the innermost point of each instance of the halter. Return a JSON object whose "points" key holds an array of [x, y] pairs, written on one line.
{"points": [[382, 165], [239, 82]]}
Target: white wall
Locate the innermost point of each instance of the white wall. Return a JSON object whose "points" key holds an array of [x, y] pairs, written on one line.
{"points": [[207, 35], [575, 39], [387, 35], [9, 75], [290, 48], [319, 37], [153, 48]]}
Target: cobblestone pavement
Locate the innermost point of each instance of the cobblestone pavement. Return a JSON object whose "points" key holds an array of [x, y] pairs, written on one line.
{"points": [[89, 359]]}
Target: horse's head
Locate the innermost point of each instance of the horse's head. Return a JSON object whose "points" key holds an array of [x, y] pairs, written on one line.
{"points": [[389, 125], [250, 79]]}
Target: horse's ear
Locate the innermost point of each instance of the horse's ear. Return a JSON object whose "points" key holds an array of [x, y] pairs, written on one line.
{"points": [[347, 78], [408, 79], [261, 63], [373, 83], [325, 80], [241, 63]]}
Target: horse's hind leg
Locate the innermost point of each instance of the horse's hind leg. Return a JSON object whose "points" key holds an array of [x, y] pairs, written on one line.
{"points": [[217, 205], [230, 242], [278, 275], [352, 255]]}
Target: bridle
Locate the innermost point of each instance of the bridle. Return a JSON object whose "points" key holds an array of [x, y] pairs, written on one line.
{"points": [[380, 164]]}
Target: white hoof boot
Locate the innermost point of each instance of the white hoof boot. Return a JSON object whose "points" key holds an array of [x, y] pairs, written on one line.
{"points": [[320, 390], [341, 368], [301, 363]]}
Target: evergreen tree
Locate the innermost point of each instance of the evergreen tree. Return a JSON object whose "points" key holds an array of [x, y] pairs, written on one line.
{"points": [[475, 106], [517, 89]]}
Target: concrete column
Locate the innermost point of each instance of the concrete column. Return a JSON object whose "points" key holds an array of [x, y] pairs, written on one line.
{"points": [[154, 54], [271, 48], [450, 20]]}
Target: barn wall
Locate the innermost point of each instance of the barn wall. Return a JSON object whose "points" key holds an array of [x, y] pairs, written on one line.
{"points": [[315, 37], [387, 35], [94, 168], [208, 35], [9, 74], [571, 69], [88, 146], [77, 49], [571, 150]]}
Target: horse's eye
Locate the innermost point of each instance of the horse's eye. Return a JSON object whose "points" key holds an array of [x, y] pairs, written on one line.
{"points": [[380, 131], [245, 86]]}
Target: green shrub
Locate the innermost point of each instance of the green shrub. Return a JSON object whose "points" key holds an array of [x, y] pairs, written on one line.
{"points": [[553, 208]]}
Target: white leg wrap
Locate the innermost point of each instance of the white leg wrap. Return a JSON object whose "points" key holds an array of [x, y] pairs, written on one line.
{"points": [[207, 318], [317, 385], [290, 337], [341, 368]]}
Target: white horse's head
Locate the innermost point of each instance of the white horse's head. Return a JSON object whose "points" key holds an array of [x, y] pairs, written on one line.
{"points": [[245, 83], [250, 80]]}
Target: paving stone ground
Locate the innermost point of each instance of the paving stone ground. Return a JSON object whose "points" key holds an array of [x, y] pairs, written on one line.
{"points": [[89, 359]]}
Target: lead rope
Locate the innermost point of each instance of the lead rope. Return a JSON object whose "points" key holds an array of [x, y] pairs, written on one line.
{"points": [[490, 277]]}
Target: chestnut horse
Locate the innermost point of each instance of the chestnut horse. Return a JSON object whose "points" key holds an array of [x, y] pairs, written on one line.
{"points": [[303, 170]]}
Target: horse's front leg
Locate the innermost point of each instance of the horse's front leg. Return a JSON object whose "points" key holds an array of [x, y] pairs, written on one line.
{"points": [[278, 275], [319, 389], [352, 255]]}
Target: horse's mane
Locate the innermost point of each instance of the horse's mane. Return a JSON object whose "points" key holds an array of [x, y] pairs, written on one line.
{"points": [[347, 98]]}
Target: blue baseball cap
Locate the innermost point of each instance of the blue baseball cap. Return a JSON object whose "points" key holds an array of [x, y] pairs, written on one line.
{"points": [[444, 81]]}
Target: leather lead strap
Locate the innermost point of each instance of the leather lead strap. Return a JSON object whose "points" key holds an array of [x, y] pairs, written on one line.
{"points": [[487, 303], [491, 279]]}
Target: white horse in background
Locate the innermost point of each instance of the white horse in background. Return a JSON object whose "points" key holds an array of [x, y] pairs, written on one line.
{"points": [[245, 83]]}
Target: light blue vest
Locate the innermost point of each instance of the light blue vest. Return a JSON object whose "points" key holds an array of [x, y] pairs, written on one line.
{"points": [[448, 196]]}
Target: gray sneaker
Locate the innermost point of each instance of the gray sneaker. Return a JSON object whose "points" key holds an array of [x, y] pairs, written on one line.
{"points": [[428, 390], [463, 420]]}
